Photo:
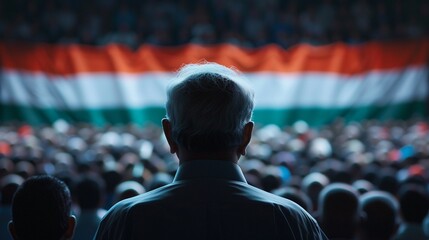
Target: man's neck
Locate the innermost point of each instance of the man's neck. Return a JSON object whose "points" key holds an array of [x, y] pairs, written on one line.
{"points": [[229, 155]]}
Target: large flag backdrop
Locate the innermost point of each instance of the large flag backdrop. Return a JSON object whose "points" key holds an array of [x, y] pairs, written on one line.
{"points": [[42, 83]]}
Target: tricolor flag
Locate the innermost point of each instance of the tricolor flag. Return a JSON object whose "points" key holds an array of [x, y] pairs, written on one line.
{"points": [[42, 83]]}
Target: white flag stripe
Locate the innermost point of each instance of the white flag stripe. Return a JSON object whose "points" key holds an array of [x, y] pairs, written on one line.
{"points": [[272, 90], [376, 88]]}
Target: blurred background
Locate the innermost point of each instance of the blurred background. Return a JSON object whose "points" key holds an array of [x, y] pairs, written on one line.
{"points": [[341, 90], [245, 23], [108, 62]]}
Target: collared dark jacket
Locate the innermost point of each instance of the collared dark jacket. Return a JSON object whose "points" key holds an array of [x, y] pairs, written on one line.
{"points": [[208, 200]]}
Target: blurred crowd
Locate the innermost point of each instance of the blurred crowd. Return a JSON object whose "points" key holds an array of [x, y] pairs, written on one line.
{"points": [[249, 23], [103, 165]]}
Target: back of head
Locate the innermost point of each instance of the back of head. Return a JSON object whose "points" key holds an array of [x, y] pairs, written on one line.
{"points": [[89, 191], [8, 186], [158, 180], [339, 210], [312, 185], [41, 208], [208, 106], [387, 181], [414, 203], [296, 196], [380, 211], [128, 189], [363, 186]]}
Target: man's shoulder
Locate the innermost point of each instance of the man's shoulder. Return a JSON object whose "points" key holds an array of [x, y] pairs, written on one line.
{"points": [[178, 193], [121, 217], [187, 195], [259, 195], [145, 199], [191, 200]]}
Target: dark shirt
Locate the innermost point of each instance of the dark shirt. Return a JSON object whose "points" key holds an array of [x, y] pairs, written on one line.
{"points": [[208, 200]]}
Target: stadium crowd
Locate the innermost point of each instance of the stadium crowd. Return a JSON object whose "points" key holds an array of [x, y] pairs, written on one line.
{"points": [[102, 165], [244, 23]]}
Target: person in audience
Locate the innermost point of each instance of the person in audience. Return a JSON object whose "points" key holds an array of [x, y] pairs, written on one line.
{"points": [[338, 213], [296, 196], [8, 186], [137, 22], [128, 189], [387, 181], [208, 126], [312, 185], [112, 178], [89, 196], [41, 209], [414, 206], [363, 186], [158, 180], [379, 216]]}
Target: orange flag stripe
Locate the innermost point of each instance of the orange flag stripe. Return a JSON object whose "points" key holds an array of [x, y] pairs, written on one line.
{"points": [[337, 58]]}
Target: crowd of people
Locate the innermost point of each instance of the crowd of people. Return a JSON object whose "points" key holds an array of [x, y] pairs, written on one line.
{"points": [[244, 23], [384, 164]]}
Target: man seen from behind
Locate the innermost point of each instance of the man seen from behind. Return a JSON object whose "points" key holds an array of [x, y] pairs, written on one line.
{"points": [[208, 126]]}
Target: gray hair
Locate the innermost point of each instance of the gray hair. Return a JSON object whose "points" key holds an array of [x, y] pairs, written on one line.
{"points": [[208, 106]]}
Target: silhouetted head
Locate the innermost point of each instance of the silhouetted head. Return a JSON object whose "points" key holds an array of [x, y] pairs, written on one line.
{"points": [[312, 185], [209, 107], [41, 210], [271, 181], [112, 178], [387, 181], [338, 212], [6, 166], [414, 203], [8, 186], [25, 169], [89, 192], [363, 186], [128, 189], [379, 215], [296, 196], [158, 180]]}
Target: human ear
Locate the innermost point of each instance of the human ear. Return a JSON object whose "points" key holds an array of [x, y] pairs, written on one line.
{"points": [[70, 227], [166, 127], [12, 230], [247, 135]]}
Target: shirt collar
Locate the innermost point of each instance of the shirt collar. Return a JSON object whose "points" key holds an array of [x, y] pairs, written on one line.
{"points": [[209, 169]]}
